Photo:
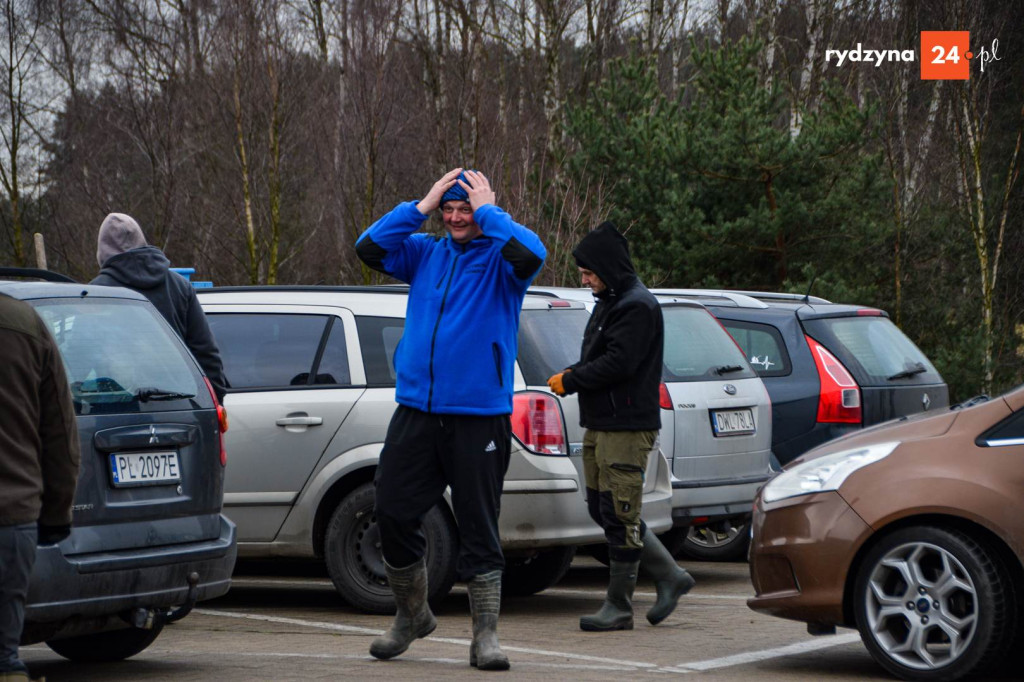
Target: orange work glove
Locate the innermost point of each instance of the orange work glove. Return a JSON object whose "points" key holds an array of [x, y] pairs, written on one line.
{"points": [[555, 383]]}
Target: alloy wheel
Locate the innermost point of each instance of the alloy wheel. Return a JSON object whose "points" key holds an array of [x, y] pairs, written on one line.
{"points": [[921, 606]]}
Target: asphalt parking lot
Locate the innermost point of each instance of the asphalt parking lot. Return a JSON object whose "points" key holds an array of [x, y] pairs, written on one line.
{"points": [[285, 622]]}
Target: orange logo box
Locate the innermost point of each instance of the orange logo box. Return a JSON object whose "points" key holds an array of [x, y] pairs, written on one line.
{"points": [[945, 55]]}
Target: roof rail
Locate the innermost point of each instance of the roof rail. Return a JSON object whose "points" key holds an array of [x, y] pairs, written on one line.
{"points": [[739, 299], [371, 288], [36, 273], [780, 296]]}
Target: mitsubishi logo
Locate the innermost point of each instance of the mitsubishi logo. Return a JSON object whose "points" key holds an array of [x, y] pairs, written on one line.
{"points": [[926, 402], [153, 438]]}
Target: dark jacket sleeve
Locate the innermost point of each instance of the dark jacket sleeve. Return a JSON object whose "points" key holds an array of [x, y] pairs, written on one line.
{"points": [[59, 452], [200, 341], [628, 332]]}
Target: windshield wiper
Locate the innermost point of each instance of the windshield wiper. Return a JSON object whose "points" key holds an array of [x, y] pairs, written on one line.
{"points": [[907, 373], [146, 394], [725, 369]]}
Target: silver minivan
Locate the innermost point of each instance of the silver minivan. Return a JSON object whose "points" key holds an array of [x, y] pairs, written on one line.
{"points": [[716, 429], [311, 396]]}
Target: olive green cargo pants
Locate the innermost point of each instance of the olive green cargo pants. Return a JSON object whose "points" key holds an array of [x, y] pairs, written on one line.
{"points": [[613, 466]]}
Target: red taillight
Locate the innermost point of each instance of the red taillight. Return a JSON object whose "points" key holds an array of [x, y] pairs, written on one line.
{"points": [[869, 312], [222, 422], [839, 400], [537, 423], [664, 399]]}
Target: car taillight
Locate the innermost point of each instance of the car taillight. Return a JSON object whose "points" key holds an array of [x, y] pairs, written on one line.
{"points": [[537, 423], [839, 399], [664, 399], [222, 422]]}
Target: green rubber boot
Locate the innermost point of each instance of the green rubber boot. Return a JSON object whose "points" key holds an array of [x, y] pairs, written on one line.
{"points": [[413, 619], [485, 604], [616, 613], [670, 581]]}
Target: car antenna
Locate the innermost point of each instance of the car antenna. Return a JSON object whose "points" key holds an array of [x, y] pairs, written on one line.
{"points": [[807, 296]]}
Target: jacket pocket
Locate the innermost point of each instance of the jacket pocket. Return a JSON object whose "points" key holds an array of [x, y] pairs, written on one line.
{"points": [[497, 363]]}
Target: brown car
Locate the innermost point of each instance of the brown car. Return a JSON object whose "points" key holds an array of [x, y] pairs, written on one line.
{"points": [[911, 531]]}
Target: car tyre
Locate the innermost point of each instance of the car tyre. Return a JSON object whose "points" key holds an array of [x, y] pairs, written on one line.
{"points": [[355, 562], [529, 575], [105, 647], [722, 541], [933, 604]]}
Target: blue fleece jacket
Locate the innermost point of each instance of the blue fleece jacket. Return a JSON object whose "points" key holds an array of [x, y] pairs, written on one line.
{"points": [[462, 321]]}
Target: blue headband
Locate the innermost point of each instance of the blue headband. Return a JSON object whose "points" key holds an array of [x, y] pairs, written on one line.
{"points": [[455, 192]]}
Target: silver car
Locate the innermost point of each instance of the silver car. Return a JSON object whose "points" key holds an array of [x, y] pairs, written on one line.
{"points": [[311, 397], [716, 429]]}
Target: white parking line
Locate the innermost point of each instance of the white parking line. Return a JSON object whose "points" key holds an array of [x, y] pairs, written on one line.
{"points": [[816, 644], [645, 595], [336, 627], [287, 582], [595, 662]]}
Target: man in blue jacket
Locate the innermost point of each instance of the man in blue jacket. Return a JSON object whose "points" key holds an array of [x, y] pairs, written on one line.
{"points": [[454, 390]]}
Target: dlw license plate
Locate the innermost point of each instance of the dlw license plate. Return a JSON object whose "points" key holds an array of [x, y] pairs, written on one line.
{"points": [[732, 422], [129, 469]]}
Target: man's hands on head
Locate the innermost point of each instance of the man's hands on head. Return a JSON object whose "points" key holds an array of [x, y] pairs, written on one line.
{"points": [[479, 189], [433, 199]]}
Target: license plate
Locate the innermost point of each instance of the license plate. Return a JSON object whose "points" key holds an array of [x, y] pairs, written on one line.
{"points": [[129, 469], [732, 422]]}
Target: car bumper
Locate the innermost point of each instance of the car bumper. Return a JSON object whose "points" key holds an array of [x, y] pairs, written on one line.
{"points": [[101, 584], [800, 555], [710, 502], [549, 508]]}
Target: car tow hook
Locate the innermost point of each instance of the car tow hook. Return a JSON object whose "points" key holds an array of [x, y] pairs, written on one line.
{"points": [[190, 600]]}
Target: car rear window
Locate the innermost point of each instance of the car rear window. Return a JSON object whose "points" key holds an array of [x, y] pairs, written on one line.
{"points": [[117, 351], [763, 345], [268, 350], [873, 349], [697, 348], [549, 341], [378, 339]]}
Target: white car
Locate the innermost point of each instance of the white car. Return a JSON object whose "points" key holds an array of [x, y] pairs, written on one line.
{"points": [[312, 394]]}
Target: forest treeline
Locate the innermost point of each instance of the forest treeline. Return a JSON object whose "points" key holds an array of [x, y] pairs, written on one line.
{"points": [[254, 140]]}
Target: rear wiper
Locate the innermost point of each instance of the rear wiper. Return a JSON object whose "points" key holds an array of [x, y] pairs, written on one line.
{"points": [[907, 373], [146, 394], [725, 369]]}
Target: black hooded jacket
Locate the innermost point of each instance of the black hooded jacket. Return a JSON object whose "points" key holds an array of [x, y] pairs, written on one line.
{"points": [[620, 364], [147, 271]]}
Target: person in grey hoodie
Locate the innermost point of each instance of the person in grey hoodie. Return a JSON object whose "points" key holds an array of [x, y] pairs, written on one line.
{"points": [[126, 260]]}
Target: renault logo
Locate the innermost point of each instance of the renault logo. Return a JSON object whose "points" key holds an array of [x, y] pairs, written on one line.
{"points": [[153, 438], [730, 389], [926, 402]]}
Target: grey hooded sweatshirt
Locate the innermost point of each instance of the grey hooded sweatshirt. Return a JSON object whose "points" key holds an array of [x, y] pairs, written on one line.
{"points": [[147, 271]]}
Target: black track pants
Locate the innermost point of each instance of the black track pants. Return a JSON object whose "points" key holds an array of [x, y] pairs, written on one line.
{"points": [[423, 453]]}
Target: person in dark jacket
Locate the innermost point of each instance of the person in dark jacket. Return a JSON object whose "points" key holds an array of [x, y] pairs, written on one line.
{"points": [[617, 379], [126, 260], [39, 459], [454, 370]]}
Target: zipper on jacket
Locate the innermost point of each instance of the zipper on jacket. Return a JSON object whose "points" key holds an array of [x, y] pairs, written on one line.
{"points": [[437, 325], [497, 363]]}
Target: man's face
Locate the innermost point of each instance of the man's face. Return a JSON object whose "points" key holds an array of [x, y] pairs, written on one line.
{"points": [[458, 219], [591, 280]]}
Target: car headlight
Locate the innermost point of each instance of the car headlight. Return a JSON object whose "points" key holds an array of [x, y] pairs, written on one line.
{"points": [[824, 473]]}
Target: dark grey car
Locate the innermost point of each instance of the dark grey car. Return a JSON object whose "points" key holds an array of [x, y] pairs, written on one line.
{"points": [[148, 538]]}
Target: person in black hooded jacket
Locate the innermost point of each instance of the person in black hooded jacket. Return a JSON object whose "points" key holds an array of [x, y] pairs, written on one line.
{"points": [[618, 378], [126, 260]]}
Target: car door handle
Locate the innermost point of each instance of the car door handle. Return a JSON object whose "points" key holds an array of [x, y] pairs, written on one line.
{"points": [[300, 421]]}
